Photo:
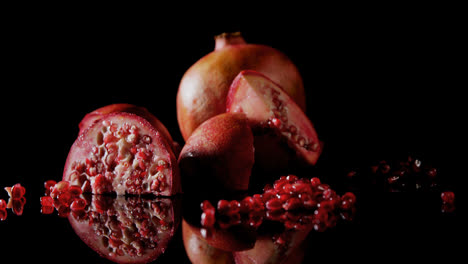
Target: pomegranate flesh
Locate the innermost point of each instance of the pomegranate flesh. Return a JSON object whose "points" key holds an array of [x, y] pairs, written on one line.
{"points": [[275, 119], [203, 88], [219, 155], [122, 153]]}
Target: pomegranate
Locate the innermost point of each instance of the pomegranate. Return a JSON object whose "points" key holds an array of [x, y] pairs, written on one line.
{"points": [[218, 155], [122, 153], [126, 229], [97, 114], [200, 251], [203, 88], [280, 127]]}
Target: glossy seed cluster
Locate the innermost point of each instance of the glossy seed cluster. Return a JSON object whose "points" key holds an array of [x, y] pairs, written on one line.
{"points": [[296, 202], [16, 201], [63, 197]]}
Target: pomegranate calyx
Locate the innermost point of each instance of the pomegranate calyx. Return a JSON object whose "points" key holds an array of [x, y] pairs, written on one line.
{"points": [[228, 38]]}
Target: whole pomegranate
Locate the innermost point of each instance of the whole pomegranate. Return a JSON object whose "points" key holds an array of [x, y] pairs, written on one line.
{"points": [[203, 88]]}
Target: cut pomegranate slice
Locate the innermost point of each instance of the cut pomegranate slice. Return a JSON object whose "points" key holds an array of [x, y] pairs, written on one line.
{"points": [[266, 105], [122, 153]]}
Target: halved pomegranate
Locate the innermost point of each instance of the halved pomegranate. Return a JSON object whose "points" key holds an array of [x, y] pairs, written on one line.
{"points": [[122, 153], [272, 114], [127, 229]]}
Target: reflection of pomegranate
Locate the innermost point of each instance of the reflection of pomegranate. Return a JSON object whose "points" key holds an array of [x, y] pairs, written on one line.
{"points": [[127, 230], [122, 153], [200, 251], [203, 88]]}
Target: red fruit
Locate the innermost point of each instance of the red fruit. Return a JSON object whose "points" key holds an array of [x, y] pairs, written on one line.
{"points": [[3, 204], [262, 100], [130, 231], [104, 167], [219, 154], [18, 205], [348, 200], [47, 209], [203, 88]]}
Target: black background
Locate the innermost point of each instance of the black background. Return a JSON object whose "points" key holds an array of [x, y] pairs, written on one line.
{"points": [[381, 83]]}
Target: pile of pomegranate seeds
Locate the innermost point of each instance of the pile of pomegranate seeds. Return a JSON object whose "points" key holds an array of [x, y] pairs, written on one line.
{"points": [[16, 201], [297, 203], [63, 197]]}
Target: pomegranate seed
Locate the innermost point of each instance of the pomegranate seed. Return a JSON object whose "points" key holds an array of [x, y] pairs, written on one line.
{"points": [[65, 198], [315, 182], [3, 214], [223, 207], [78, 204], [47, 201], [291, 178], [246, 205], [347, 201], [448, 197], [3, 204], [208, 218], [276, 122], [293, 203], [47, 209], [234, 207], [18, 205], [47, 185], [205, 205], [274, 204], [75, 190], [62, 186]]}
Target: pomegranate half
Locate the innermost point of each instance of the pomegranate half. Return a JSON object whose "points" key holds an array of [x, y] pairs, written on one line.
{"points": [[122, 153], [203, 88]]}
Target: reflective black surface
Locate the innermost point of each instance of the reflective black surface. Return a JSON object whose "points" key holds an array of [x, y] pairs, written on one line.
{"points": [[380, 85]]}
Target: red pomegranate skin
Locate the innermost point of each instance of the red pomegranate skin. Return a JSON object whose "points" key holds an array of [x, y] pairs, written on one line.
{"points": [[219, 155], [203, 88]]}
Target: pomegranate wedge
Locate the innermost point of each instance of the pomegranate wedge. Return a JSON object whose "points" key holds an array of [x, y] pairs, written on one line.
{"points": [[122, 153], [266, 105]]}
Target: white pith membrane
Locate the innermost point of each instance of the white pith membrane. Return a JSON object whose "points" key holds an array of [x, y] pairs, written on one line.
{"points": [[126, 226], [123, 158]]}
